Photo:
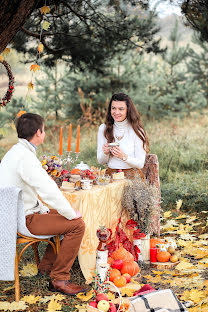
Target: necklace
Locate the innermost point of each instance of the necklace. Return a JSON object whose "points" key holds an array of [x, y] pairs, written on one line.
{"points": [[119, 138]]}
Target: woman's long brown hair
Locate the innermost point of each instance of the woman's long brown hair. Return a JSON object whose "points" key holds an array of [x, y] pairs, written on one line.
{"points": [[133, 118]]}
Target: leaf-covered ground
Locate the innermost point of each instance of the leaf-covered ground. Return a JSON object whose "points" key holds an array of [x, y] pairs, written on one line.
{"points": [[189, 278]]}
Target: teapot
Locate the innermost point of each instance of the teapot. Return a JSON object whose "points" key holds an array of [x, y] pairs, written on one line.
{"points": [[82, 166]]}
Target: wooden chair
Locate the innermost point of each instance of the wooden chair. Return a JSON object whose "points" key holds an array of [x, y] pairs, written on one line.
{"points": [[30, 241], [151, 172]]}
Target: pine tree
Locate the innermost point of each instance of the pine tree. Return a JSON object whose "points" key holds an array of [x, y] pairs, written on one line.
{"points": [[50, 93], [164, 88], [198, 64]]}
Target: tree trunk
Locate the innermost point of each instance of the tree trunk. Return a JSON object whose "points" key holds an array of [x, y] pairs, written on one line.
{"points": [[13, 15]]}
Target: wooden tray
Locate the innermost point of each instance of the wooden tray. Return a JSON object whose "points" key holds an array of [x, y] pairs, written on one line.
{"points": [[163, 265]]}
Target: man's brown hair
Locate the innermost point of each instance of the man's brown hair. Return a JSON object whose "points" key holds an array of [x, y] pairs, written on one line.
{"points": [[28, 124]]}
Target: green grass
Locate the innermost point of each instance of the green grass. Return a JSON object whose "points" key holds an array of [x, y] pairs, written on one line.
{"points": [[181, 147]]}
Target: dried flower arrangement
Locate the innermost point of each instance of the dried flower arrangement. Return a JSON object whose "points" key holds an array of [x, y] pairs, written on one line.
{"points": [[140, 201]]}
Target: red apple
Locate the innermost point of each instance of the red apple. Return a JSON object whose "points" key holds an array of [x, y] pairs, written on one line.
{"points": [[112, 307], [127, 277], [93, 304], [117, 264], [100, 297]]}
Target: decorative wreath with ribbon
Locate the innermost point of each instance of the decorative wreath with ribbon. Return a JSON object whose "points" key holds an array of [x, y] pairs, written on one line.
{"points": [[8, 95]]}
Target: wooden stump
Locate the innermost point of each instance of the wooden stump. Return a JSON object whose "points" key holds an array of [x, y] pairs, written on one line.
{"points": [[163, 265]]}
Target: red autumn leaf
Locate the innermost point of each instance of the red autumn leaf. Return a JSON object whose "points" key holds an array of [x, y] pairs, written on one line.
{"points": [[138, 235], [131, 224]]}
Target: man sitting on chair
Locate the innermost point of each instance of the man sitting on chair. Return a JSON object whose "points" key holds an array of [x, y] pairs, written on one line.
{"points": [[21, 168]]}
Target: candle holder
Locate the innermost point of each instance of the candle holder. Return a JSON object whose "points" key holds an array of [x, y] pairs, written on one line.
{"points": [[69, 158]]}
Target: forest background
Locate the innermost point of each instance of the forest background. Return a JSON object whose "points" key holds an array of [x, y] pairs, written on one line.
{"points": [[170, 90]]}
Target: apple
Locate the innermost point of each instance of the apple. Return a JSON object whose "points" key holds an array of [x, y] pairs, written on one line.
{"points": [[93, 304], [117, 264], [112, 307], [100, 297], [103, 305], [127, 277]]}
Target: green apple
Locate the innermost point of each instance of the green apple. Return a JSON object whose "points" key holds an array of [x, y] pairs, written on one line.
{"points": [[103, 305]]}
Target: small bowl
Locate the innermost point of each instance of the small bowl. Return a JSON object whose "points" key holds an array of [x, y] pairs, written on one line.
{"points": [[103, 180]]}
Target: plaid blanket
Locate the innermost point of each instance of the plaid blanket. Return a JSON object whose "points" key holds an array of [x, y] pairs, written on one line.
{"points": [[157, 301]]}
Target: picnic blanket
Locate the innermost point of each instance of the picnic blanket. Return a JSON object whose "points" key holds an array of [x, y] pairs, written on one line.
{"points": [[12, 220], [157, 301]]}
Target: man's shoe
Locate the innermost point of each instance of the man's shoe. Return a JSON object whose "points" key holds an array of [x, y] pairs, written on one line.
{"points": [[65, 287]]}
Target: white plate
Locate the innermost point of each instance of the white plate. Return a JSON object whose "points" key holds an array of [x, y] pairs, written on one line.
{"points": [[71, 190]]}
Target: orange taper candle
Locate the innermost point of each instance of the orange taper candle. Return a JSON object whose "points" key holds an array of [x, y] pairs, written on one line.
{"points": [[69, 138], [60, 141], [78, 138]]}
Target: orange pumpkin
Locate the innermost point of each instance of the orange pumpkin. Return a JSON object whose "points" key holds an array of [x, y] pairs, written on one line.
{"points": [[113, 274], [75, 171], [155, 241], [163, 256], [119, 281], [130, 267], [110, 260], [119, 254]]}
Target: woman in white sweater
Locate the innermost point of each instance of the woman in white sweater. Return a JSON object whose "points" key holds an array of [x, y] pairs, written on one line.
{"points": [[123, 127]]}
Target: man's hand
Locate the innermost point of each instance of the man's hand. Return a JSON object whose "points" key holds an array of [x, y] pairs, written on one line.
{"points": [[106, 149]]}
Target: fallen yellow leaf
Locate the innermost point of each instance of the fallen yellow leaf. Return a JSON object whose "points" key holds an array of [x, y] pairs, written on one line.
{"points": [[183, 265], [54, 306], [125, 291], [181, 217], [8, 288], [29, 269], [31, 299], [196, 295], [13, 306], [87, 296], [110, 296], [167, 214]]}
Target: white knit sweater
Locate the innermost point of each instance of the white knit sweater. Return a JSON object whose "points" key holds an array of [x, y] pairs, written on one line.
{"points": [[130, 144], [21, 168]]}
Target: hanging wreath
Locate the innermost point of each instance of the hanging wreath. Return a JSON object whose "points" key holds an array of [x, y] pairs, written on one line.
{"points": [[7, 97]]}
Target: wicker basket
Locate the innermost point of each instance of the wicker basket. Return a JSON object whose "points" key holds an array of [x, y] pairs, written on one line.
{"points": [[92, 309]]}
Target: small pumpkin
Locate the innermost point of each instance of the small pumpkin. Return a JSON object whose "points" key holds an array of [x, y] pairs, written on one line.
{"points": [[75, 171], [130, 267], [155, 241], [113, 274], [119, 281], [163, 256]]}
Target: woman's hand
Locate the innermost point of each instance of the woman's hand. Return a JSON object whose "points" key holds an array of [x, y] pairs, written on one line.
{"points": [[117, 152], [106, 149]]}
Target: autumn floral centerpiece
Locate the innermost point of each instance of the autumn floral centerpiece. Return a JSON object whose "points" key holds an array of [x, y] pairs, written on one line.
{"points": [[53, 166]]}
